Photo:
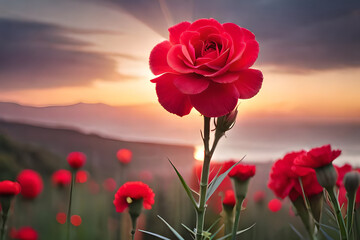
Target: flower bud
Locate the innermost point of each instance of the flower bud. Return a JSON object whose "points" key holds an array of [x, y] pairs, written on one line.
{"points": [[351, 181], [326, 176], [226, 122]]}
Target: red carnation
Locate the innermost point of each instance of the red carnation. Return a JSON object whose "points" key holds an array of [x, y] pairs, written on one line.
{"points": [[242, 172], [109, 184], [26, 233], [76, 160], [81, 176], [76, 220], [205, 65], [124, 156], [284, 178], [9, 188], [274, 205], [318, 157], [31, 183], [61, 178], [61, 217], [131, 191], [259, 196], [229, 198]]}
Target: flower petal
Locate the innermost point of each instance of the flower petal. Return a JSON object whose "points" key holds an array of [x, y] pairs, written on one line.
{"points": [[158, 58], [248, 57], [205, 23], [175, 59], [191, 83], [228, 77], [217, 100], [170, 97], [249, 83], [176, 31]]}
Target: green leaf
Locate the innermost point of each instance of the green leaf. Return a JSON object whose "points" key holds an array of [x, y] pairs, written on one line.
{"points": [[237, 233], [217, 231], [172, 229], [296, 231], [187, 228], [218, 180], [186, 187], [155, 235], [212, 225]]}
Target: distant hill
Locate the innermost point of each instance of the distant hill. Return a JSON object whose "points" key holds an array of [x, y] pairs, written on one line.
{"points": [[101, 151]]}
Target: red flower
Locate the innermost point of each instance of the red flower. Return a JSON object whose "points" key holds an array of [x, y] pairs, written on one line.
{"points": [[76, 160], [341, 173], [61, 178], [133, 191], [31, 183], [259, 196], [318, 157], [109, 184], [81, 176], [9, 188], [284, 178], [124, 156], [205, 65], [274, 205], [229, 198], [61, 218], [26, 233], [75, 220], [242, 172]]}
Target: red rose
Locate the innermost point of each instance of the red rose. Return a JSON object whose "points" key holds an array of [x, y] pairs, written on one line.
{"points": [[124, 156], [26, 233], [242, 172], [318, 157], [61, 178], [9, 188], [274, 205], [31, 183], [284, 178], [229, 198], [133, 191], [205, 65], [76, 160]]}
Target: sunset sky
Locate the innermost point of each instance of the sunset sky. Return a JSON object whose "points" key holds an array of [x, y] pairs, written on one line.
{"points": [[64, 52]]}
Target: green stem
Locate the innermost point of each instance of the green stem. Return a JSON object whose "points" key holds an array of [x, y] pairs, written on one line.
{"points": [[3, 226], [339, 217], [73, 175], [229, 221], [237, 217], [350, 211], [133, 230]]}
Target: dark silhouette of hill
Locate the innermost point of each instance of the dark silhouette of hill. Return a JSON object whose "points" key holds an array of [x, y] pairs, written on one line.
{"points": [[101, 152]]}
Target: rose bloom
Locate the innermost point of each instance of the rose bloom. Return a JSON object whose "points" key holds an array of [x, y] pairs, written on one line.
{"points": [[133, 191], [242, 172], [9, 188], [284, 178], [31, 183], [76, 159], [318, 157], [26, 233], [205, 65], [124, 156], [229, 198], [274, 205], [61, 178]]}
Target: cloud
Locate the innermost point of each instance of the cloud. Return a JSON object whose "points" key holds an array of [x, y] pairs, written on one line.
{"points": [[41, 55], [298, 35]]}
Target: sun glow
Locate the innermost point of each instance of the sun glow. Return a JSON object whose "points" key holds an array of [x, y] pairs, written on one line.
{"points": [[199, 153]]}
